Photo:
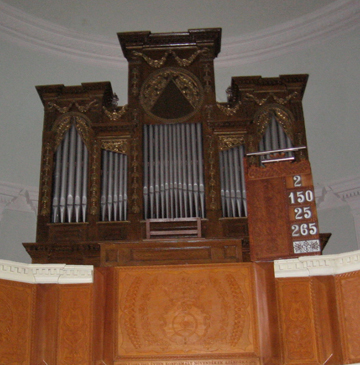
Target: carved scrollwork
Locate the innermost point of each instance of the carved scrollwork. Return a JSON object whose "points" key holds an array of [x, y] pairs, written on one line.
{"points": [[226, 142], [94, 186], [117, 113], [45, 180], [283, 117], [65, 109], [135, 207], [281, 101], [118, 145], [182, 62], [228, 110]]}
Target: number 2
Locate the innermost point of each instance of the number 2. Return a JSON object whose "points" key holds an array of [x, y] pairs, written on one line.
{"points": [[297, 180]]}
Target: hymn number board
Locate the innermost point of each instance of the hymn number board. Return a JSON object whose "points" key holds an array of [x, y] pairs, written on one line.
{"points": [[302, 213]]}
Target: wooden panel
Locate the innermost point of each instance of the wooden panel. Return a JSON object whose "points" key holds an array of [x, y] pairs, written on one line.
{"points": [[17, 301], [75, 324], [166, 252], [348, 299], [297, 322], [185, 312]]}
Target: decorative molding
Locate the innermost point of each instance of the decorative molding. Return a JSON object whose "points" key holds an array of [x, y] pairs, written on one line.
{"points": [[18, 198], [46, 273], [318, 265], [26, 30]]}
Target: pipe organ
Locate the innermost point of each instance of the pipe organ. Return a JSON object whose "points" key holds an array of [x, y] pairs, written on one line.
{"points": [[172, 155]]}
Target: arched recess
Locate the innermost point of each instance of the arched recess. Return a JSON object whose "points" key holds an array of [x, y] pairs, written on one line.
{"points": [[232, 176], [274, 129], [70, 177]]}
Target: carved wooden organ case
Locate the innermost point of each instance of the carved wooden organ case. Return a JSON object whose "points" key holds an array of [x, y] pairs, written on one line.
{"points": [[174, 176]]}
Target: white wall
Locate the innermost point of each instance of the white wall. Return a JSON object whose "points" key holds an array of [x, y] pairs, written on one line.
{"points": [[331, 107]]}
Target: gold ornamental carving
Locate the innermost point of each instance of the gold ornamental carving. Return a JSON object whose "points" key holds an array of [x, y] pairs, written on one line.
{"points": [[64, 124], [116, 145], [228, 110], [182, 62], [45, 180], [226, 142], [283, 117], [64, 109], [94, 183], [212, 172], [135, 206], [185, 311], [262, 101], [186, 84], [117, 113]]}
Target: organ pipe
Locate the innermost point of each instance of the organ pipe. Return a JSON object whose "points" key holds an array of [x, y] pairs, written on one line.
{"points": [[69, 202], [232, 182], [113, 200], [173, 171]]}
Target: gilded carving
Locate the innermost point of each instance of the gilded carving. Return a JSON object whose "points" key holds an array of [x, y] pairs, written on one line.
{"points": [[228, 110], [154, 87], [115, 145], [83, 129], [116, 113], [207, 78], [281, 101], [264, 116], [182, 62], [94, 185], [135, 75], [45, 180], [212, 172], [185, 311], [226, 142], [65, 109], [135, 207]]}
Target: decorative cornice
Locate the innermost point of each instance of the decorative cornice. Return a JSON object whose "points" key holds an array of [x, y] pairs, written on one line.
{"points": [[46, 273], [37, 34], [18, 197], [318, 265]]}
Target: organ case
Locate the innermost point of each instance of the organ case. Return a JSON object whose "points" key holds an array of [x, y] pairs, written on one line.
{"points": [[174, 155]]}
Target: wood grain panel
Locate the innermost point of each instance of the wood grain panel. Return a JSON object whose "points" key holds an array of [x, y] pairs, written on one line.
{"points": [[204, 310], [297, 322], [75, 324], [348, 299], [17, 302]]}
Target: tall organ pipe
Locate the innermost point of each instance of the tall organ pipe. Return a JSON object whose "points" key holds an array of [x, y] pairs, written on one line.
{"points": [[113, 186], [69, 200], [173, 171], [232, 182]]}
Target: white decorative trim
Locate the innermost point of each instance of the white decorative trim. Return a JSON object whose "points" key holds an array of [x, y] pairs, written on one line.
{"points": [[46, 273], [37, 34], [318, 265]]}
